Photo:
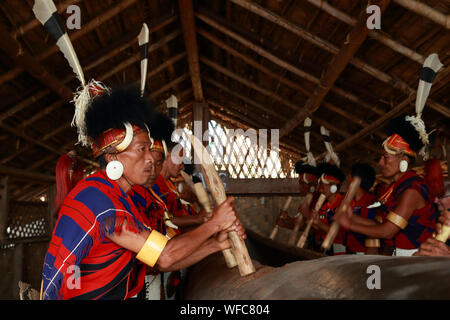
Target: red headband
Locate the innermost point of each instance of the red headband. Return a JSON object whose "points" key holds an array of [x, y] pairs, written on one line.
{"points": [[396, 144], [108, 140], [327, 179]]}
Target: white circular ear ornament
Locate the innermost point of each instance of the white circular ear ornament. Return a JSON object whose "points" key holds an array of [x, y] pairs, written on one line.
{"points": [[333, 188], [403, 166], [114, 169]]}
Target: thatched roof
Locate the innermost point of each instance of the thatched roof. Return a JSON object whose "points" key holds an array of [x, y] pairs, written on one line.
{"points": [[260, 64]]}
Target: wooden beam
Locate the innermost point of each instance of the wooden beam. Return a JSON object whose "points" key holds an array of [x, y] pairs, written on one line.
{"points": [[267, 186], [16, 52], [33, 23], [269, 93], [381, 37], [91, 25], [325, 45], [90, 63], [380, 122], [238, 121], [426, 11], [190, 42], [272, 58], [168, 86], [32, 175], [249, 83], [293, 85], [338, 63]]}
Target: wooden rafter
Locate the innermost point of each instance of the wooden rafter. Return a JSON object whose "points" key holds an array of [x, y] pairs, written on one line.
{"points": [[91, 62], [336, 66], [289, 83], [325, 45], [16, 52], [401, 107], [426, 11], [274, 59], [33, 23], [190, 42], [267, 92], [381, 37], [91, 25]]}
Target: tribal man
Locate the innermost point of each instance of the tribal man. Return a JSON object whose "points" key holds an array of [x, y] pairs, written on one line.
{"points": [[101, 241]]}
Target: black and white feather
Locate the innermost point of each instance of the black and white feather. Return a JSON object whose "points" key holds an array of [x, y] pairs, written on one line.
{"points": [[143, 39]]}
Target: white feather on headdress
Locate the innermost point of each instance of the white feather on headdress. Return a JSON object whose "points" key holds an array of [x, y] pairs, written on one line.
{"points": [[428, 72], [47, 14], [331, 155], [309, 156]]}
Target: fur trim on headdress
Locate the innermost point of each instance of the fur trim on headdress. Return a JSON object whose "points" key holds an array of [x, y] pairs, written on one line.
{"points": [[301, 167], [331, 170], [121, 105], [407, 131]]}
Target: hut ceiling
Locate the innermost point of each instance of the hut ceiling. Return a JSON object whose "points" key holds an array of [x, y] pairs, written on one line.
{"points": [[261, 64]]}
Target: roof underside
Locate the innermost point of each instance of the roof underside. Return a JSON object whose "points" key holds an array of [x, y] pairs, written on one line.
{"points": [[259, 64]]}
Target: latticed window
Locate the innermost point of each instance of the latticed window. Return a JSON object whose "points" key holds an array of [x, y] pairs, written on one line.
{"points": [[242, 154]]}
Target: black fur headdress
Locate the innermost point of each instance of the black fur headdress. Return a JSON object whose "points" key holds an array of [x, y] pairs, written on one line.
{"points": [[331, 170]]}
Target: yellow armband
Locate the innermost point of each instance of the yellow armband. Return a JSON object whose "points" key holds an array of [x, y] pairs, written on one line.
{"points": [[152, 248], [399, 221], [372, 243]]}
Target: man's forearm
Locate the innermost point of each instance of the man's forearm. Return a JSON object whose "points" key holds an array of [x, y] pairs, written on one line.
{"points": [[186, 221], [206, 248], [185, 244]]}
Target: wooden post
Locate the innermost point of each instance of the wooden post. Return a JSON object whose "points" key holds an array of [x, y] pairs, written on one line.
{"points": [[190, 42]]}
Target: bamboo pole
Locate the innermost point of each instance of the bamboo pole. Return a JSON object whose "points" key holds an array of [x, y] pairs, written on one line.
{"points": [[426, 11], [281, 63], [271, 94], [33, 23], [91, 25], [105, 55], [325, 45], [336, 66], [382, 38]]}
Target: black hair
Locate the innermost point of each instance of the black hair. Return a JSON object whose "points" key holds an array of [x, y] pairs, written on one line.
{"points": [[366, 173], [331, 170], [125, 104], [406, 130], [301, 167]]}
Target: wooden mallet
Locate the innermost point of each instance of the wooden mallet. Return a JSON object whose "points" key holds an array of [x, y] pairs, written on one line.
{"points": [[204, 200], [343, 207], [294, 232], [217, 190], [274, 232], [302, 240]]}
